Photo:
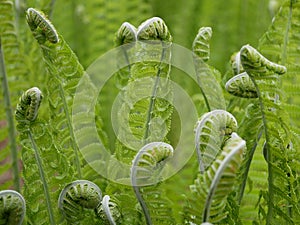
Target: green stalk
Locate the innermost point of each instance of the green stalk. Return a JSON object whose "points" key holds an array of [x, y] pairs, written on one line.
{"points": [[153, 97], [43, 178], [270, 213], [216, 179], [10, 121]]}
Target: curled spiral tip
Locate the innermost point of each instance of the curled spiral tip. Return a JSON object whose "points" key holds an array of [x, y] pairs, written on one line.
{"points": [[41, 27], [201, 43], [29, 103], [77, 195], [211, 131], [241, 86], [154, 29], [150, 158], [12, 207], [254, 62], [126, 34]]}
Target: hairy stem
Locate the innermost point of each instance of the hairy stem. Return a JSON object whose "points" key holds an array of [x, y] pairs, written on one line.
{"points": [[11, 126]]}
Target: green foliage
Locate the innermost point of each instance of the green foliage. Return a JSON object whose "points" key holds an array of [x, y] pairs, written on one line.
{"points": [[238, 175]]}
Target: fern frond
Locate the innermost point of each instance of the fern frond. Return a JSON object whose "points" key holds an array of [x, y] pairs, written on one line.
{"points": [[78, 200], [211, 189], [12, 208], [145, 114], [64, 72], [207, 77], [145, 171], [278, 44], [241, 86], [43, 165], [12, 76], [211, 131], [265, 75]]}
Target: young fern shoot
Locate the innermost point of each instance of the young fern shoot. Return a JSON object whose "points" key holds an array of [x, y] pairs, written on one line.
{"points": [[126, 39], [76, 198], [145, 113], [220, 150], [146, 169], [12, 208], [211, 131], [64, 72], [206, 75], [232, 147], [282, 185], [26, 114]]}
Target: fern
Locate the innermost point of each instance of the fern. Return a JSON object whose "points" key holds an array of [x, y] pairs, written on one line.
{"points": [[278, 44], [41, 163], [64, 72], [78, 200], [211, 189], [211, 131], [146, 116], [12, 208], [282, 182], [145, 171], [206, 75], [12, 81]]}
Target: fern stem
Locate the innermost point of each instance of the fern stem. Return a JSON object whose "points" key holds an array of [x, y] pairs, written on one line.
{"points": [[43, 178], [11, 126], [248, 164], [74, 146], [142, 203], [152, 99], [106, 209], [270, 214], [216, 179]]}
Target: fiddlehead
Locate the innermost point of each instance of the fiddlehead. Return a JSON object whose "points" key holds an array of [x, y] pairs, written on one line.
{"points": [[256, 64], [207, 76], [108, 211], [12, 208], [41, 27], [145, 171], [145, 113], [211, 132], [241, 86], [29, 103], [64, 72], [43, 165], [214, 185], [77, 199], [281, 177], [201, 43], [125, 38], [126, 35]]}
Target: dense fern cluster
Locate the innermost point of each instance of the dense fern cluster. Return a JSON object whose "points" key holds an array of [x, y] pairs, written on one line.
{"points": [[104, 155]]}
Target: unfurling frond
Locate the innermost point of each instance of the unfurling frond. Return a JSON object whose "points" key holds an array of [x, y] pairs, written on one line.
{"points": [[76, 197], [12, 208], [211, 132], [241, 86]]}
